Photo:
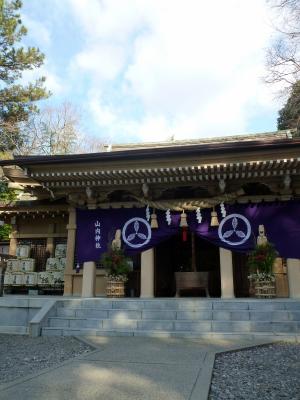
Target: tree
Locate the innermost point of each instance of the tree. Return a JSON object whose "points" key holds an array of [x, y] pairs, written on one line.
{"points": [[283, 56], [7, 195], [289, 115], [5, 231], [89, 144], [17, 101], [53, 130]]}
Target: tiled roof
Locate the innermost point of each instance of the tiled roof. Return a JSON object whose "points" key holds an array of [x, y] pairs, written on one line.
{"points": [[266, 136]]}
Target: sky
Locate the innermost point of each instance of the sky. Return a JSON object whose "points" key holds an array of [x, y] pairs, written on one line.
{"points": [[149, 70]]}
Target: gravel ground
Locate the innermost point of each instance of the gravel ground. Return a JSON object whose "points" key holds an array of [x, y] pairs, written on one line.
{"points": [[23, 355], [270, 372]]}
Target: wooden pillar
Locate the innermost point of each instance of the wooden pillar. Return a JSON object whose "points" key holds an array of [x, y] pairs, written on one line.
{"points": [[50, 240], [147, 273], [293, 266], [194, 266], [226, 271], [71, 228], [13, 240], [281, 279]]}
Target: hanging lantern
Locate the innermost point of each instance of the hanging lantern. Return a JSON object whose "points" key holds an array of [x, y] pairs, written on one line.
{"points": [[214, 218], [183, 221], [154, 223]]}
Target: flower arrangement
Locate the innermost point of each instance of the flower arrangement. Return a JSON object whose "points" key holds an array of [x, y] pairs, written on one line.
{"points": [[116, 264], [260, 262]]}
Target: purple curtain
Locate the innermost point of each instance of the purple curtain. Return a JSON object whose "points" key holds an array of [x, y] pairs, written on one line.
{"points": [[237, 232]]}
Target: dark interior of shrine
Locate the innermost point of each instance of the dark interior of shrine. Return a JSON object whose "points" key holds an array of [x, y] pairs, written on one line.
{"points": [[175, 255]]}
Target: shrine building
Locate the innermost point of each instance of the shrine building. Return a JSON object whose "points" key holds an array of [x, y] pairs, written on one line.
{"points": [[179, 206]]}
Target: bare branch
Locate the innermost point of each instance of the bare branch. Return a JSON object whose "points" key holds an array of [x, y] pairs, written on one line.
{"points": [[55, 130], [283, 57]]}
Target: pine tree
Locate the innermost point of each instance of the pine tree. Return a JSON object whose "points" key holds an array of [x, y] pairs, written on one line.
{"points": [[17, 101]]}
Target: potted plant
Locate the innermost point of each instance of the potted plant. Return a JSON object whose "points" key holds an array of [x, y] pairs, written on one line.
{"points": [[117, 266], [260, 263]]}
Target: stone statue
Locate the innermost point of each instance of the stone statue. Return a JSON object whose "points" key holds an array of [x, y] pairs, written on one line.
{"points": [[116, 243], [261, 238]]}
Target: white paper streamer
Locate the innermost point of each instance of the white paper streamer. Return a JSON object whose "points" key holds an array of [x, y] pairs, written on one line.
{"points": [[199, 215], [168, 217], [223, 209], [148, 215]]}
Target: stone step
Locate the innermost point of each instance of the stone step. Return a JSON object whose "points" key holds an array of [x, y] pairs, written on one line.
{"points": [[175, 325], [264, 336], [128, 304], [180, 304], [256, 315], [14, 329], [243, 315], [133, 314], [174, 317]]}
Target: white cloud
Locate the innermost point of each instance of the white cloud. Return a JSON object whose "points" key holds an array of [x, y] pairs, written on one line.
{"points": [[193, 67], [103, 115], [37, 31], [53, 82], [104, 61], [112, 20]]}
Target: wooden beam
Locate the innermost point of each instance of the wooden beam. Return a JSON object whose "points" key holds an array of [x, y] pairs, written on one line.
{"points": [[37, 235]]}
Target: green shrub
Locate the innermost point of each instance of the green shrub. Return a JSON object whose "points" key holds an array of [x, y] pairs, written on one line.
{"points": [[6, 194], [5, 231]]}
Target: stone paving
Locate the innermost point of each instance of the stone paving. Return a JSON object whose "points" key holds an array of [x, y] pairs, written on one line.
{"points": [[128, 368]]}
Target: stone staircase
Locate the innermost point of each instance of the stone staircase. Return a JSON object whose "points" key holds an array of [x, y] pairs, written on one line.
{"points": [[174, 317]]}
